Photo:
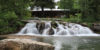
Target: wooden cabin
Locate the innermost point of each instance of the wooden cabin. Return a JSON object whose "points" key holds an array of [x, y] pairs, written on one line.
{"points": [[50, 13]]}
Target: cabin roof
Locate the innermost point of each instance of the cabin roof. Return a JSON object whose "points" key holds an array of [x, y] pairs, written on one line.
{"points": [[53, 10]]}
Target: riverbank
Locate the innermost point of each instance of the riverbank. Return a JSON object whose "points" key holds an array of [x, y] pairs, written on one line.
{"points": [[24, 44], [63, 42]]}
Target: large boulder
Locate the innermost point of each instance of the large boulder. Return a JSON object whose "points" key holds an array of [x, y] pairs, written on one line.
{"points": [[51, 31], [24, 44], [96, 26], [40, 26], [54, 24]]}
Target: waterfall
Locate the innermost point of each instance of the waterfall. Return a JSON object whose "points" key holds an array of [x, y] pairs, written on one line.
{"points": [[58, 30], [47, 28], [29, 29]]}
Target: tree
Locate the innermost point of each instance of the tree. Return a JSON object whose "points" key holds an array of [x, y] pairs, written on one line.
{"points": [[84, 7], [18, 6], [90, 9], [66, 4], [10, 13], [95, 6], [43, 4]]}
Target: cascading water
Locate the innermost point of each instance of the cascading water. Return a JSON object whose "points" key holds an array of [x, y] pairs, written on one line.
{"points": [[68, 29], [29, 29], [58, 31]]}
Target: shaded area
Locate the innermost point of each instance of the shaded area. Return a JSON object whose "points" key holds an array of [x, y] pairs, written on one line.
{"points": [[49, 14]]}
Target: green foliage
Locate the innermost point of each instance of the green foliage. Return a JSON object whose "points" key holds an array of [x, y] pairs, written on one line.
{"points": [[76, 18], [8, 15], [66, 4], [43, 4], [73, 18], [89, 19], [8, 22], [89, 24], [11, 11], [89, 8], [18, 6], [76, 4]]}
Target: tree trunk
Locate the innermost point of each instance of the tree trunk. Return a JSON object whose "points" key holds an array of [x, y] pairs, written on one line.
{"points": [[31, 7], [42, 8], [42, 11]]}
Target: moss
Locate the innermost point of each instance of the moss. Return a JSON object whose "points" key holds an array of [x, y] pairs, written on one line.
{"points": [[54, 24]]}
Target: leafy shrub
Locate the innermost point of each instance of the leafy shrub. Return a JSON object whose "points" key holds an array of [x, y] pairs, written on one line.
{"points": [[9, 22], [72, 18], [89, 19]]}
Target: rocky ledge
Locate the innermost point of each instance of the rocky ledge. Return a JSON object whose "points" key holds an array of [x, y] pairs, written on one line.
{"points": [[24, 44], [96, 26]]}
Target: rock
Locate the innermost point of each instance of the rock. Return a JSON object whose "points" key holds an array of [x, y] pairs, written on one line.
{"points": [[83, 24], [96, 26], [63, 23], [51, 31], [24, 44], [1, 38], [54, 24], [40, 26]]}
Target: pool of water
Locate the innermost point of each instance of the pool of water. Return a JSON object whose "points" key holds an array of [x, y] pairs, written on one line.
{"points": [[74, 42]]}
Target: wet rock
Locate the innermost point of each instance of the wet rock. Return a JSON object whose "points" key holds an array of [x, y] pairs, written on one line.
{"points": [[1, 38], [24, 44], [83, 24], [63, 23], [54, 24], [96, 27], [40, 26], [51, 31]]}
